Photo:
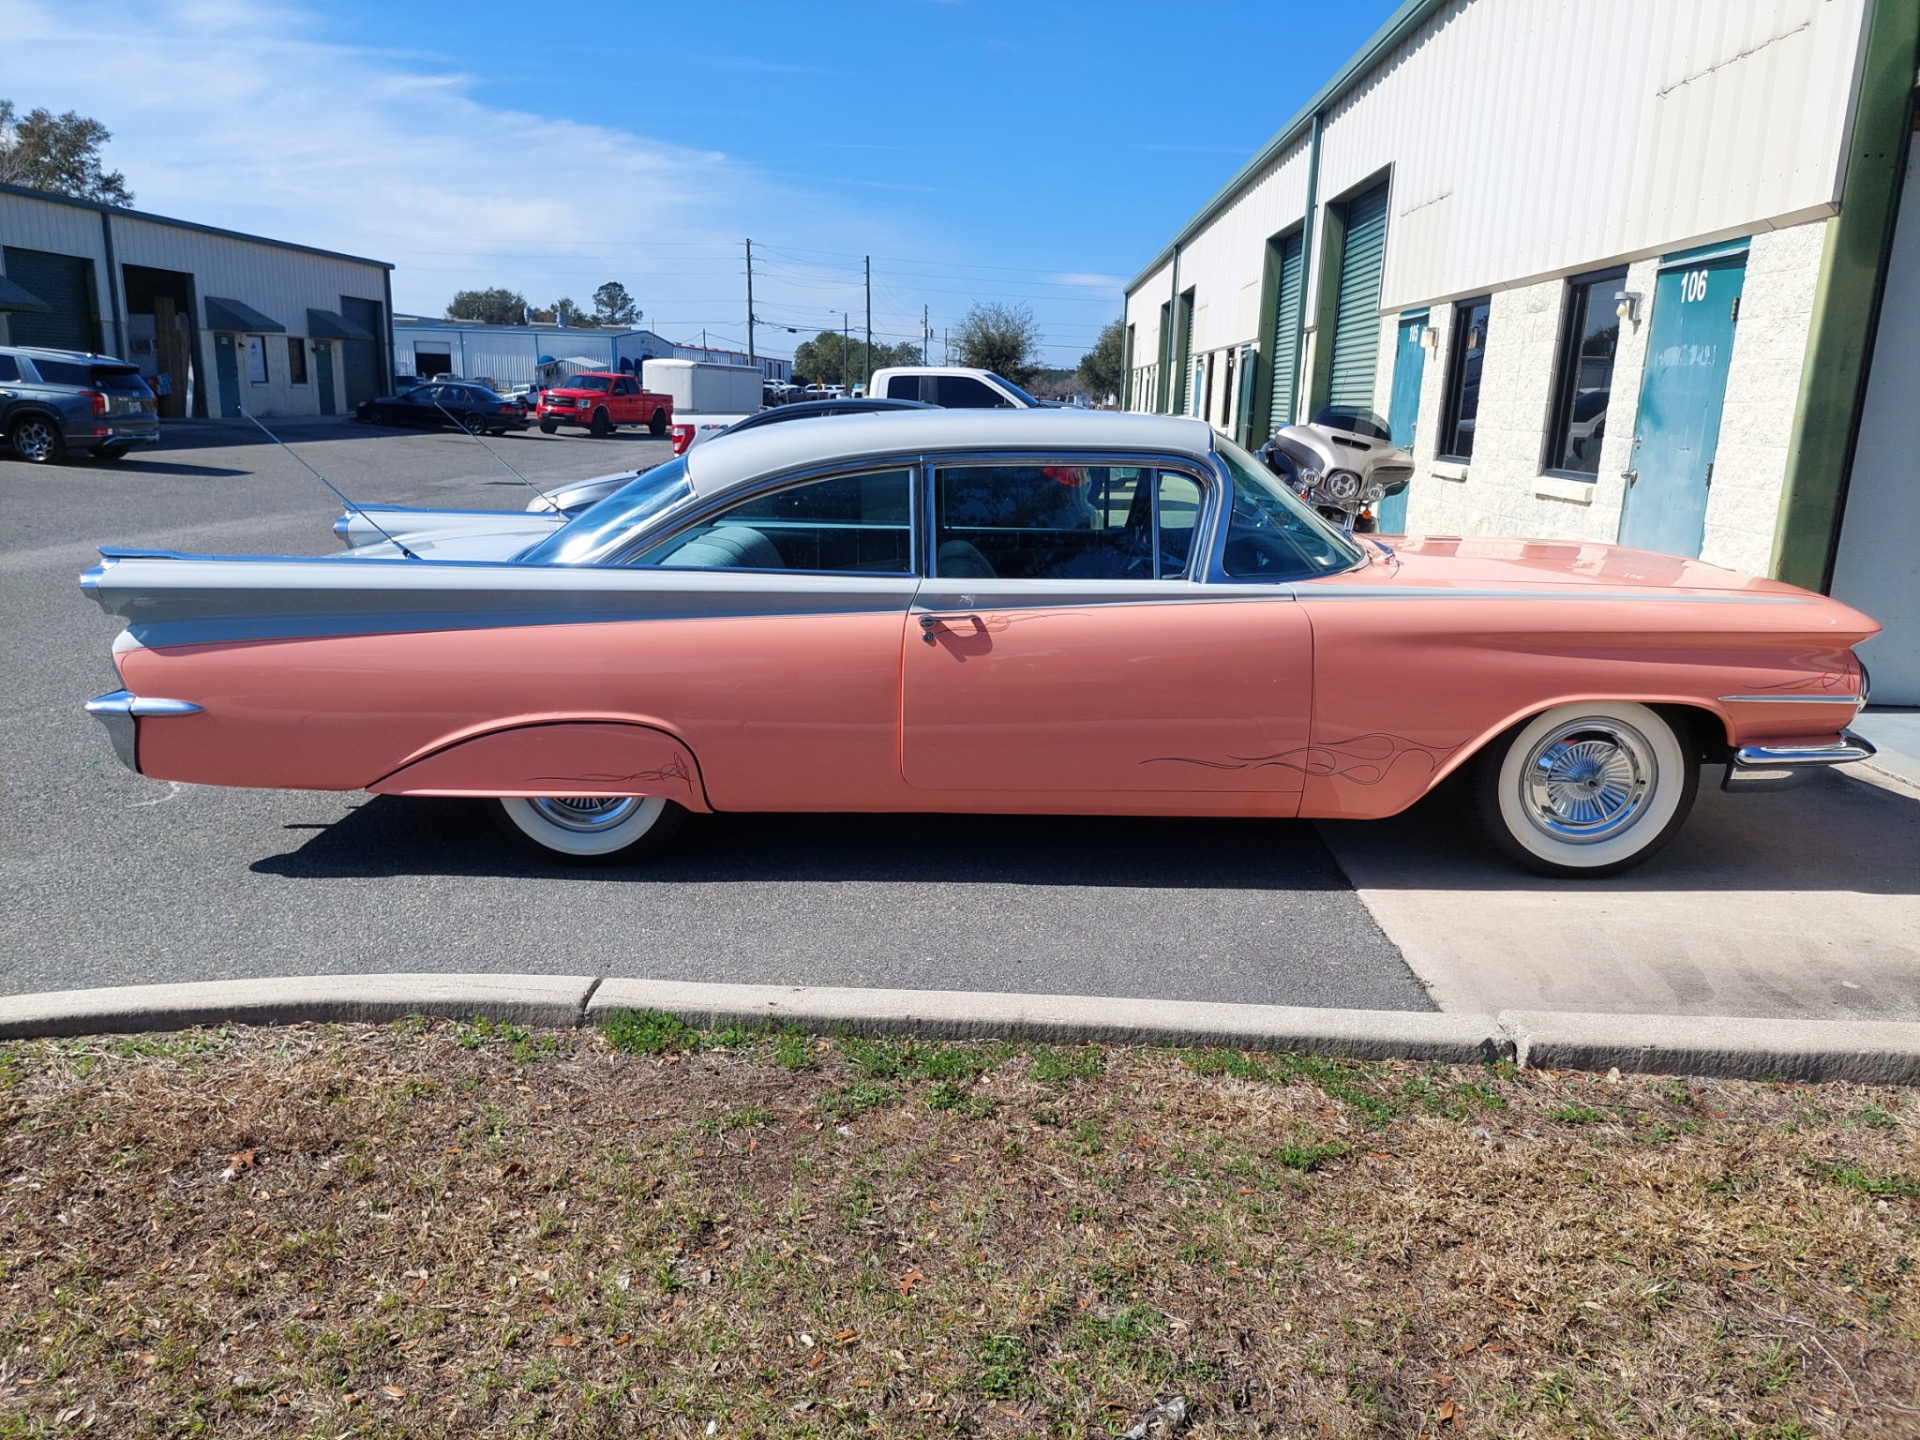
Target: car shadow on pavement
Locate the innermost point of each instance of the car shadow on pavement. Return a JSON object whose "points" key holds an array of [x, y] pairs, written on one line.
{"points": [[1832, 832], [390, 835], [142, 465]]}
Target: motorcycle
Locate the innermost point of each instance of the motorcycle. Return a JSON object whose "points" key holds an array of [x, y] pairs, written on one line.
{"points": [[1343, 463]]}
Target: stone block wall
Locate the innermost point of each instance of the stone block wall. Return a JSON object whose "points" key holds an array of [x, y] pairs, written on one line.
{"points": [[1503, 488]]}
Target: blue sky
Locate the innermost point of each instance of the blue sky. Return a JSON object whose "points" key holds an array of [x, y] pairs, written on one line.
{"points": [[977, 149]]}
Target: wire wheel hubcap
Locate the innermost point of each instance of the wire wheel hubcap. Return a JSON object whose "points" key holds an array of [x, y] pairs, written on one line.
{"points": [[1588, 781], [587, 815]]}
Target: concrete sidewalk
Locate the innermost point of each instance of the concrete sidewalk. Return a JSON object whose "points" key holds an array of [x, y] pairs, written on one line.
{"points": [[1799, 905], [1895, 732]]}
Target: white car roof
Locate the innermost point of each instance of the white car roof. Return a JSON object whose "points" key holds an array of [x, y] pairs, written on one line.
{"points": [[728, 460]]}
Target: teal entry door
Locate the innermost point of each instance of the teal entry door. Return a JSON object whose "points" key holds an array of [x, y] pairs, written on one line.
{"points": [[1695, 308], [323, 369], [1409, 369], [226, 370]]}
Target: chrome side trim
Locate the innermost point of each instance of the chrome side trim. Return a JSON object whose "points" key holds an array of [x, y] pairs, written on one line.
{"points": [[118, 712], [1780, 767], [1854, 700]]}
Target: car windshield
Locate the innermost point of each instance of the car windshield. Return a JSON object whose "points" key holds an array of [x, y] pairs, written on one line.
{"points": [[594, 533], [589, 382], [1354, 422], [1271, 533]]}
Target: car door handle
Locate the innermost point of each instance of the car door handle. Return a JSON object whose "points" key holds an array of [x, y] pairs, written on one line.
{"points": [[931, 623]]}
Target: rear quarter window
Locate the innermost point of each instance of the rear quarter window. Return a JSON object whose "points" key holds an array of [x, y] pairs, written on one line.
{"points": [[9, 368]]}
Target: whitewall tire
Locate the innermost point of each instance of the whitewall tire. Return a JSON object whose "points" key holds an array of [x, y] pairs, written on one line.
{"points": [[1587, 790], [593, 831]]}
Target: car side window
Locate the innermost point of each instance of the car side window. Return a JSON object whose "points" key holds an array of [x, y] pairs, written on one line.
{"points": [[9, 368], [1179, 501], [1057, 522], [623, 387], [963, 392], [852, 524], [903, 387]]}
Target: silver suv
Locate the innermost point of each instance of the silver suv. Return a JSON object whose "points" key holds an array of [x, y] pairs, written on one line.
{"points": [[53, 401]]}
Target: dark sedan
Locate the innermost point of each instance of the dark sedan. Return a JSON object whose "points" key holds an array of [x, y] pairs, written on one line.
{"points": [[462, 406]]}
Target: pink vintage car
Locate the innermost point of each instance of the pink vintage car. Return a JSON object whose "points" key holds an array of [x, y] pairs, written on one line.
{"points": [[1036, 611]]}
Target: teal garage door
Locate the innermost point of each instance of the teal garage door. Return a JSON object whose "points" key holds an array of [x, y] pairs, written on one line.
{"points": [[1356, 323], [1286, 329]]}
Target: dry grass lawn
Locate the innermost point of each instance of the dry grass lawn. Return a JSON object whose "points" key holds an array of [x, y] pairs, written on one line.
{"points": [[472, 1230]]}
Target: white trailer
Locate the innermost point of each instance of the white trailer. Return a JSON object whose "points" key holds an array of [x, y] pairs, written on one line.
{"points": [[698, 388]]}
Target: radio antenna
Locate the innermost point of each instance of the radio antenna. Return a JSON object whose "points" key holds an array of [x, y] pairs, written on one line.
{"points": [[473, 429], [359, 510]]}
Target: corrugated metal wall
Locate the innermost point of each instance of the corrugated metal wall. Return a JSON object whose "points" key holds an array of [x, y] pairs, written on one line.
{"points": [[1532, 138]]}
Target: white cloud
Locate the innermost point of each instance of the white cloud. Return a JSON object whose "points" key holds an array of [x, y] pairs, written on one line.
{"points": [[239, 113]]}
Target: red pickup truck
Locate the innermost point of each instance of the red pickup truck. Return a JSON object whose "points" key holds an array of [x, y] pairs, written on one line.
{"points": [[601, 402]]}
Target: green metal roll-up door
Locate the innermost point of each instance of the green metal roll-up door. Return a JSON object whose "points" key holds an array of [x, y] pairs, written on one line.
{"points": [[1286, 329], [362, 357], [65, 282], [1356, 325]]}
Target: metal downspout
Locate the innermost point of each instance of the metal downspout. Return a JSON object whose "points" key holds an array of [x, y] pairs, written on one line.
{"points": [[113, 289], [1306, 276]]}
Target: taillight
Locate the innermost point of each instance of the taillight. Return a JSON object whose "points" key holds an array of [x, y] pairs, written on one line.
{"points": [[504, 410], [682, 438], [99, 402]]}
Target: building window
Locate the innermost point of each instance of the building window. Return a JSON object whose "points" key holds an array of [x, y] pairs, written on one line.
{"points": [[257, 359], [1469, 349], [296, 360], [1588, 341]]}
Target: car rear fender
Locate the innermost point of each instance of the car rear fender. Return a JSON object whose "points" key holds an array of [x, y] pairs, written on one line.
{"points": [[560, 758]]}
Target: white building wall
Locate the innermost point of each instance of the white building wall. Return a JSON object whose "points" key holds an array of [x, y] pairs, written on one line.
{"points": [[63, 230], [277, 281], [281, 284], [1527, 141]]}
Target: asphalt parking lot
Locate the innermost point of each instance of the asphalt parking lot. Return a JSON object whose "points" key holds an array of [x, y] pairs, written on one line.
{"points": [[111, 879]]}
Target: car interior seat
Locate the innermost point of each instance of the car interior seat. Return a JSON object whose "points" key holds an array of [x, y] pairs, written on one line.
{"points": [[726, 547], [962, 560]]}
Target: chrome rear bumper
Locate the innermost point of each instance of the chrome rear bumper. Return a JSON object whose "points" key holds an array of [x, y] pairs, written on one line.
{"points": [[118, 713], [1780, 767]]}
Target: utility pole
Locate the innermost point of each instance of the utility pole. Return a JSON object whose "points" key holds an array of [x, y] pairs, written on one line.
{"points": [[846, 350], [750, 355], [926, 336], [867, 364]]}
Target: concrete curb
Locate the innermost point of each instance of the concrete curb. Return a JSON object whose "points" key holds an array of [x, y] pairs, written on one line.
{"points": [[523, 999], [1869, 1052], [968, 1014]]}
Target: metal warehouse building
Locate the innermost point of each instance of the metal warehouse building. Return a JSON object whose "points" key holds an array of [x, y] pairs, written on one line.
{"points": [[539, 354], [1634, 270], [216, 320]]}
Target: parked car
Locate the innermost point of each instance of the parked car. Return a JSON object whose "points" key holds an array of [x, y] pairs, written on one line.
{"points": [[1033, 612], [463, 406], [54, 401], [603, 402]]}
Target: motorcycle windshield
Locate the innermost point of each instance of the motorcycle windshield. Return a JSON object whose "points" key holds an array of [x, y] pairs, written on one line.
{"points": [[1353, 422]]}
